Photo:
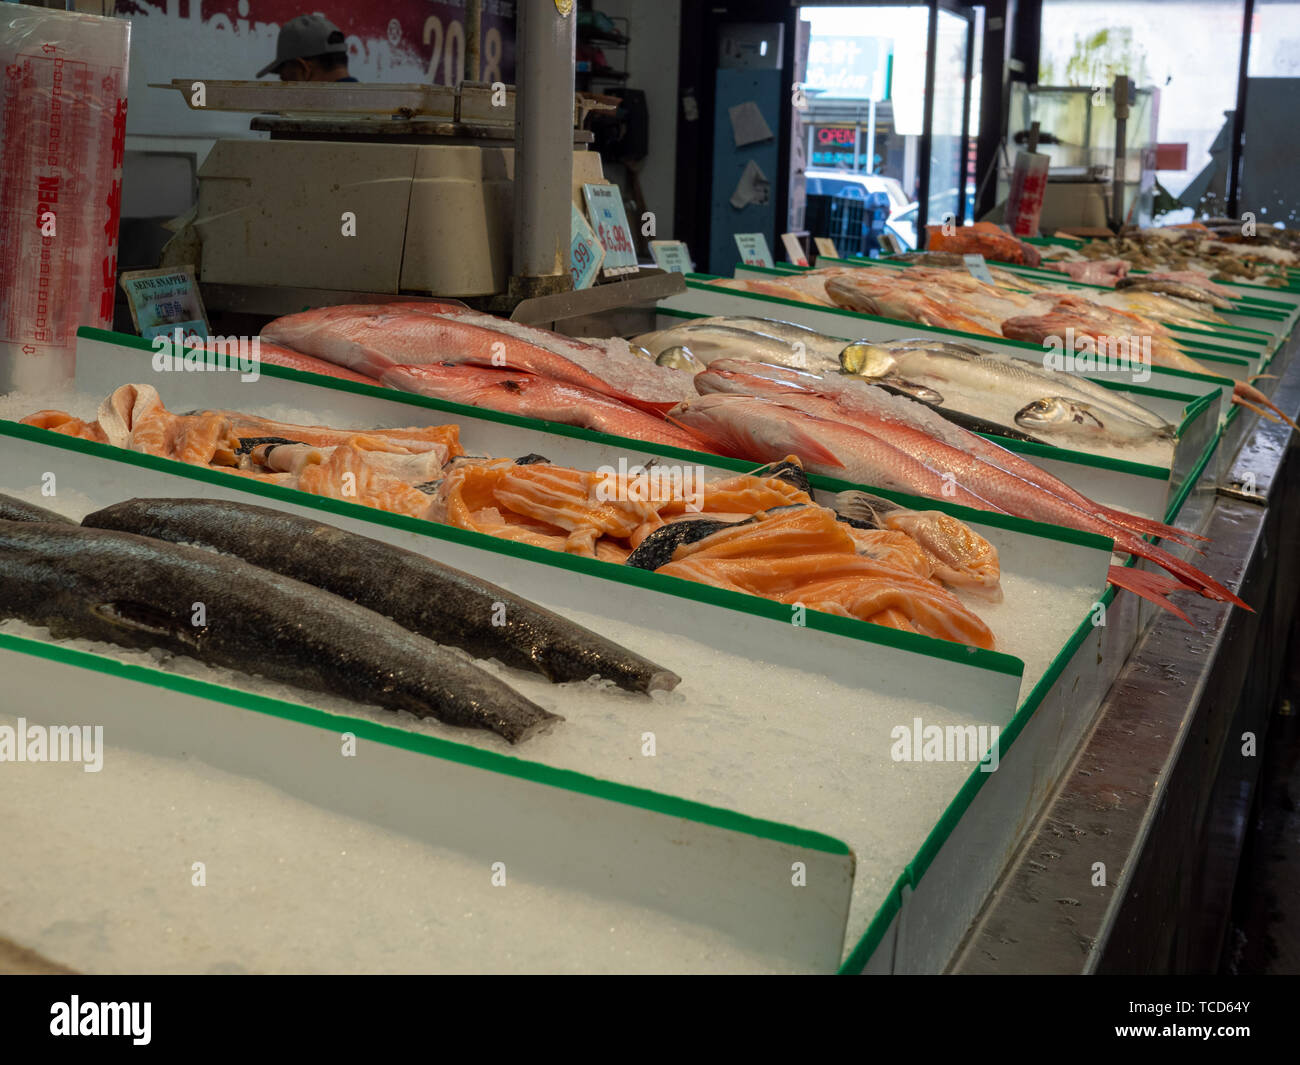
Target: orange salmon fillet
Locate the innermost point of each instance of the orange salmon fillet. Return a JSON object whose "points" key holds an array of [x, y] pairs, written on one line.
{"points": [[411, 438], [807, 557], [59, 422], [349, 475]]}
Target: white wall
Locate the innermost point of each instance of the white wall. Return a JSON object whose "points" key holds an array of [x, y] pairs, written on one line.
{"points": [[652, 63]]}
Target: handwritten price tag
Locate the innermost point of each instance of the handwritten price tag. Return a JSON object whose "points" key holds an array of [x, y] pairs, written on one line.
{"points": [[605, 209], [793, 249], [754, 250], [161, 300], [672, 256]]}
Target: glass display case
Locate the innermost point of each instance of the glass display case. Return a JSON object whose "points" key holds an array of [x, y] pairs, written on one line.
{"points": [[1077, 131]]}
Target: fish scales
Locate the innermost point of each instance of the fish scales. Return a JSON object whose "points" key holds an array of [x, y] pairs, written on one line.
{"points": [[12, 509], [444, 604], [139, 592]]}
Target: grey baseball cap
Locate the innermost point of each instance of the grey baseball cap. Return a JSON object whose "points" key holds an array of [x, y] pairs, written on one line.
{"points": [[303, 37]]}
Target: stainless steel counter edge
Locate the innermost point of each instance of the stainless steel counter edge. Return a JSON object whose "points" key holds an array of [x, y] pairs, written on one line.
{"points": [[1131, 865]]}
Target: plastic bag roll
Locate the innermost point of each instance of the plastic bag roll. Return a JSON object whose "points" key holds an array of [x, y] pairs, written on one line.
{"points": [[62, 138]]}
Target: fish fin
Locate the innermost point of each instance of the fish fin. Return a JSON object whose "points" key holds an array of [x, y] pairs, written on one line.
{"points": [[1150, 527], [1150, 586], [810, 448], [1242, 390], [1184, 571], [144, 618], [707, 442], [1237, 401], [658, 408]]}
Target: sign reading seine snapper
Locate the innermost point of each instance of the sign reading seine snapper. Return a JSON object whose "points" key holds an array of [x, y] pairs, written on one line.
{"points": [[186, 352]]}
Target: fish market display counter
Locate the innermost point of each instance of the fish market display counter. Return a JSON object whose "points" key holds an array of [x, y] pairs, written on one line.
{"points": [[1130, 867], [758, 818]]}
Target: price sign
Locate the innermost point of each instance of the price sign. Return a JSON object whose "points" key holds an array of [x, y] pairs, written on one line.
{"points": [[826, 246], [671, 256], [163, 300], [793, 249], [585, 252], [978, 268], [605, 209], [753, 249]]}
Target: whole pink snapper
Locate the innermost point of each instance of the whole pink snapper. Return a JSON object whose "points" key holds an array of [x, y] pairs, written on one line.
{"points": [[914, 430], [768, 429], [538, 397]]}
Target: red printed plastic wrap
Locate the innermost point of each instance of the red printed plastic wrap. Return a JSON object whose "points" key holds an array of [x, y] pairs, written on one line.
{"points": [[1028, 187], [62, 137]]}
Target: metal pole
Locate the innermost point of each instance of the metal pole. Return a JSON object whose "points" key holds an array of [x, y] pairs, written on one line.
{"points": [[1121, 150], [871, 136], [1239, 115], [543, 149], [965, 122], [473, 38], [927, 125]]}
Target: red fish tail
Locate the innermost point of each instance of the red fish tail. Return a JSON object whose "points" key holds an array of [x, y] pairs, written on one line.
{"points": [[1145, 526], [1150, 586], [1242, 391], [1184, 571]]}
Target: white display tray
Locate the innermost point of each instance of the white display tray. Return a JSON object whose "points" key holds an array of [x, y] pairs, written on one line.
{"points": [[1064, 570]]}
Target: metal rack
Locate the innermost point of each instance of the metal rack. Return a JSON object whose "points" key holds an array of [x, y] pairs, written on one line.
{"points": [[585, 75]]}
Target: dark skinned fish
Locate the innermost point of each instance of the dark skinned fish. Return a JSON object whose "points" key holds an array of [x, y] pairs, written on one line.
{"points": [[16, 510], [138, 592], [447, 605]]}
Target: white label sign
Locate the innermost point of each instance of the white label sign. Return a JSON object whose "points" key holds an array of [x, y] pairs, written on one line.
{"points": [[793, 249], [826, 246], [164, 300], [978, 268], [754, 250], [605, 209], [671, 256]]}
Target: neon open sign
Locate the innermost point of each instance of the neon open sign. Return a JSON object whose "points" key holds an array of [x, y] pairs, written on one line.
{"points": [[834, 136]]}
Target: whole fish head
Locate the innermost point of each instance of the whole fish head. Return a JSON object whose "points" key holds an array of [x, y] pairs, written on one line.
{"points": [[864, 359], [679, 358], [1057, 412]]}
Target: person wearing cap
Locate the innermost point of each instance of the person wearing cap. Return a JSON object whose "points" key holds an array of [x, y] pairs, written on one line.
{"points": [[309, 48]]}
